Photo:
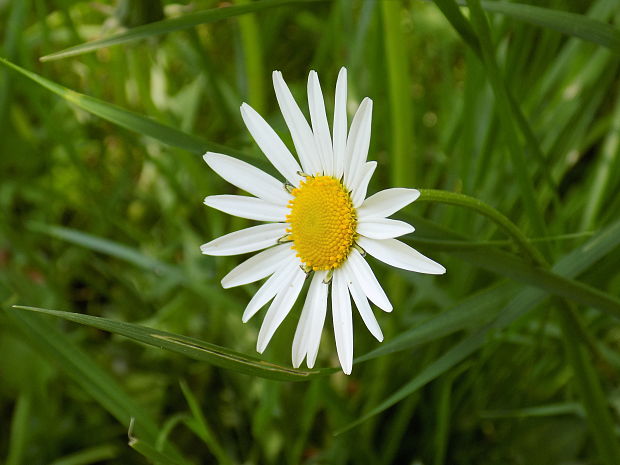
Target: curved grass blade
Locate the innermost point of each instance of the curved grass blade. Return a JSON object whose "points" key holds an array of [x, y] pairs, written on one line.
{"points": [[125, 118], [571, 265], [173, 24], [188, 346], [568, 23]]}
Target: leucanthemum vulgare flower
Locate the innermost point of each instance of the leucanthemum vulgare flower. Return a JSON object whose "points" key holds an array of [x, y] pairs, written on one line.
{"points": [[319, 223]]}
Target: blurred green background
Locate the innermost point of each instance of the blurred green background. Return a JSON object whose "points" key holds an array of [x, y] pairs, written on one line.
{"points": [[497, 362]]}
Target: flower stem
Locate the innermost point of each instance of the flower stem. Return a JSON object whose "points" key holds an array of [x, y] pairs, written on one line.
{"points": [[462, 200]]}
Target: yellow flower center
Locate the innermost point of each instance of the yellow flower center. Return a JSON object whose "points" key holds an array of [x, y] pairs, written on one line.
{"points": [[322, 222]]}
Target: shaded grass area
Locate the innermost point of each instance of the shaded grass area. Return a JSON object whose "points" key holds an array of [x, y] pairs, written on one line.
{"points": [[507, 359]]}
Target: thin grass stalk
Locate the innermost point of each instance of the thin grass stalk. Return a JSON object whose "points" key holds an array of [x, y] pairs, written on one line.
{"points": [[403, 163], [253, 59]]}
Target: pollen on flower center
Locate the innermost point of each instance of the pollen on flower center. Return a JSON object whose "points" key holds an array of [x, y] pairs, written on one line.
{"points": [[322, 222]]}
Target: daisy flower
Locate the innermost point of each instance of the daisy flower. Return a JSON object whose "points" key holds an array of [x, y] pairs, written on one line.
{"points": [[318, 222]]}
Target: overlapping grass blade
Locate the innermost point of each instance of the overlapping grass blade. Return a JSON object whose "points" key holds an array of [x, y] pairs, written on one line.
{"points": [[568, 23], [124, 118], [189, 347], [571, 265], [173, 24], [78, 366], [109, 247]]}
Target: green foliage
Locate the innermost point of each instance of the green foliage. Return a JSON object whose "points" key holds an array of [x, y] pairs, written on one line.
{"points": [[505, 115]]}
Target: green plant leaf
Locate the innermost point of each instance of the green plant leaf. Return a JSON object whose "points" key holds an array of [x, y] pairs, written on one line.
{"points": [[125, 118], [571, 24], [190, 347], [571, 265], [173, 24]]}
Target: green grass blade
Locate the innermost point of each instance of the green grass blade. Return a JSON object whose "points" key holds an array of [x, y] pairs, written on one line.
{"points": [[111, 248], [153, 455], [571, 24], [202, 428], [571, 265], [124, 118], [88, 456], [472, 312], [173, 24], [506, 115], [403, 164], [589, 386], [189, 347], [55, 346], [19, 429]]}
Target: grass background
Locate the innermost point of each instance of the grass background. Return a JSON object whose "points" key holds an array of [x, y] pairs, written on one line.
{"points": [[509, 358]]}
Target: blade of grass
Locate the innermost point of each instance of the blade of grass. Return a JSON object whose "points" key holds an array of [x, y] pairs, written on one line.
{"points": [[88, 456], [571, 24], [590, 390], [189, 347], [19, 429], [402, 163], [78, 366], [172, 24], [253, 56], [202, 427], [571, 265], [506, 115], [125, 118]]}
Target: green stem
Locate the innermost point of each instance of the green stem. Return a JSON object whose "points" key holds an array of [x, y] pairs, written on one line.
{"points": [[253, 54], [402, 163], [462, 200]]}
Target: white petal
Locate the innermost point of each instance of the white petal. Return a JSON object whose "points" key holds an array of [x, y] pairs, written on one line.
{"points": [[248, 177], [246, 240], [387, 202], [340, 124], [361, 302], [299, 348], [271, 144], [319, 311], [358, 141], [252, 208], [320, 127], [258, 266], [310, 312], [398, 254], [279, 308], [269, 289], [383, 228], [302, 135], [343, 321], [362, 272], [361, 183]]}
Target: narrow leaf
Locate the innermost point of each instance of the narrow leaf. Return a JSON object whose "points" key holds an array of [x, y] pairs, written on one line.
{"points": [[190, 347], [172, 24]]}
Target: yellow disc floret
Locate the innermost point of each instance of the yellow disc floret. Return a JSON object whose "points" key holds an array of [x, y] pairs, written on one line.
{"points": [[322, 222]]}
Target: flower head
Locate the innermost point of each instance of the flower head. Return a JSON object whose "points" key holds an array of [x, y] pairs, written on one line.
{"points": [[319, 222]]}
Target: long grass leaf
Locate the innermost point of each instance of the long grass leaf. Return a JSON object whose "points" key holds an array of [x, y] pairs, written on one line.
{"points": [[172, 24], [189, 347], [124, 118]]}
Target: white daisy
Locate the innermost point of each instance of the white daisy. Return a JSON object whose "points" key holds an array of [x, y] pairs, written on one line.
{"points": [[319, 222]]}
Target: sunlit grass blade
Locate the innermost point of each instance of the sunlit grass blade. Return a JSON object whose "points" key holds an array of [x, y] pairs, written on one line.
{"points": [[124, 118], [571, 265], [173, 24], [568, 23], [472, 312], [189, 347]]}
